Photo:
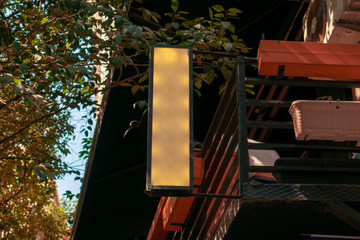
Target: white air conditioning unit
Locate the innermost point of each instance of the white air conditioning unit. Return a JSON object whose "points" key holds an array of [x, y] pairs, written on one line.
{"points": [[332, 21]]}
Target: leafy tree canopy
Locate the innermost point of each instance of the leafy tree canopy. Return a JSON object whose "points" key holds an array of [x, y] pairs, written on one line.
{"points": [[55, 56]]}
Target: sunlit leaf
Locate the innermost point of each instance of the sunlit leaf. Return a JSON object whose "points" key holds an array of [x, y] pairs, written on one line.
{"points": [[17, 80], [234, 10], [174, 5], [44, 20], [211, 14], [250, 91], [218, 8], [85, 89], [219, 15]]}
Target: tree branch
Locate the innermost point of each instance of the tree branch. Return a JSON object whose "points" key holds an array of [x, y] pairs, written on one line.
{"points": [[13, 135]]}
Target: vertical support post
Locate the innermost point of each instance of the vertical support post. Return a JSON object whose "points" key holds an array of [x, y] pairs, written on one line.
{"points": [[243, 143]]}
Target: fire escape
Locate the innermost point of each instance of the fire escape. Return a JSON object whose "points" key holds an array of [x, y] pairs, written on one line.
{"points": [[316, 184]]}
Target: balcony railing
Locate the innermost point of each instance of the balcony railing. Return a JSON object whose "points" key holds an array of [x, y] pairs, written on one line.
{"points": [[226, 159]]}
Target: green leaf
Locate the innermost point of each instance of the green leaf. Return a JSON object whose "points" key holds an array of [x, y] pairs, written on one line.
{"points": [[143, 78], [51, 175], [228, 46], [27, 139], [226, 24], [156, 15], [135, 88], [218, 8], [232, 29], [116, 61], [210, 76], [138, 31], [85, 89], [197, 84], [79, 26], [27, 103], [118, 38], [222, 88], [126, 84], [83, 70], [197, 92], [211, 14], [207, 68], [23, 68], [174, 5], [17, 80], [234, 10], [208, 57], [108, 11], [90, 121], [36, 170], [175, 25], [47, 50], [8, 77], [44, 20], [233, 15], [219, 15], [168, 25], [225, 72], [250, 91], [129, 29], [16, 46], [118, 20], [72, 70], [141, 104]]}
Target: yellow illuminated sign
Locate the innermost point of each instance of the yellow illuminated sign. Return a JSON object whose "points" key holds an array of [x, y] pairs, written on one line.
{"points": [[170, 149]]}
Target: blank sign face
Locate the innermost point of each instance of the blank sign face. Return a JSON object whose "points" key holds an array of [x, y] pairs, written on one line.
{"points": [[170, 118]]}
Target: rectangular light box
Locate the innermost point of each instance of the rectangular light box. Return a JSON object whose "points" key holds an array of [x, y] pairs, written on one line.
{"points": [[170, 157]]}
